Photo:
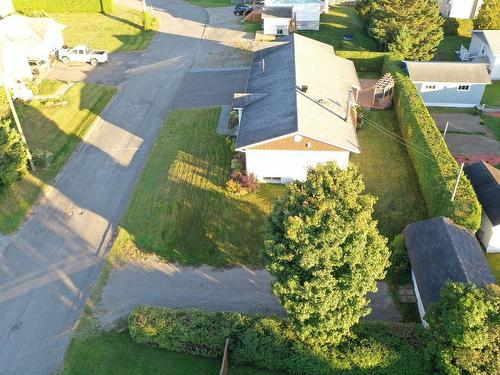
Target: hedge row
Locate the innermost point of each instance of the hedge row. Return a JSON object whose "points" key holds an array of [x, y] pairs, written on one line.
{"points": [[435, 166], [64, 6], [365, 61], [271, 343]]}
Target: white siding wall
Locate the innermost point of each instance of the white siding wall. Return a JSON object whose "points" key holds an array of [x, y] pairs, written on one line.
{"points": [[271, 25], [447, 94], [307, 15], [476, 48], [460, 8], [490, 235], [290, 165], [420, 305]]}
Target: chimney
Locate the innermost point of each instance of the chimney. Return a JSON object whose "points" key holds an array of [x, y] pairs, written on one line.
{"points": [[304, 88]]}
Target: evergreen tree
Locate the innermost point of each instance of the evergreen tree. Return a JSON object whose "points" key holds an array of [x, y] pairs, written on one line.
{"points": [[325, 252], [412, 28], [13, 156], [488, 17]]}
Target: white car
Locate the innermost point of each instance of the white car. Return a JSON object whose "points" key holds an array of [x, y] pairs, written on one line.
{"points": [[82, 54]]}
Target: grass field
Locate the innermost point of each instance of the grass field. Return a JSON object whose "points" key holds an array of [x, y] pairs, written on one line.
{"points": [[448, 46], [388, 174], [492, 94], [339, 22], [119, 31], [180, 208], [48, 87], [494, 262], [56, 130], [117, 353]]}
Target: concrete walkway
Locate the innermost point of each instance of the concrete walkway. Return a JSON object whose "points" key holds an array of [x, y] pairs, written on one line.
{"points": [[49, 266]]}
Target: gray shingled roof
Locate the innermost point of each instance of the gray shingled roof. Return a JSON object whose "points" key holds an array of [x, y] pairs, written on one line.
{"points": [[277, 12], [486, 182], [280, 71], [490, 37], [440, 71], [440, 250]]}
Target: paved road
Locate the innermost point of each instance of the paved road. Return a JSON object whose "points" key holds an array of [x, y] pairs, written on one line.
{"points": [[49, 266]]}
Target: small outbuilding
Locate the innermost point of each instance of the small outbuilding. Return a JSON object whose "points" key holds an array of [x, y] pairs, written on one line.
{"points": [[485, 47], [485, 180], [449, 84], [277, 20], [439, 251], [305, 12]]}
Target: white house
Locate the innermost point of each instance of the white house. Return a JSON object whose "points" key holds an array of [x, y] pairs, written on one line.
{"points": [[485, 47], [305, 12], [486, 182], [6, 8], [277, 20], [439, 250], [22, 39], [297, 111], [449, 84], [464, 9]]}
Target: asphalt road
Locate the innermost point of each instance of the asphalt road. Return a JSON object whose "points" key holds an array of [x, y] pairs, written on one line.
{"points": [[49, 266]]}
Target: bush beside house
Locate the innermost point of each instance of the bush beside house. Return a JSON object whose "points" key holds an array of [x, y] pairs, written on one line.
{"points": [[364, 61], [64, 6], [271, 342], [13, 156], [435, 166]]}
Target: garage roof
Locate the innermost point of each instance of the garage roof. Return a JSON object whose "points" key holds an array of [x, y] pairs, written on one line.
{"points": [[277, 12], [455, 72]]}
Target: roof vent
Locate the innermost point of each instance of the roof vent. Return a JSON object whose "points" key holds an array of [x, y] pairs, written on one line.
{"points": [[303, 88]]}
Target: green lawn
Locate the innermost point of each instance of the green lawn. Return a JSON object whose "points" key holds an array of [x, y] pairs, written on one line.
{"points": [[119, 31], [494, 262], [56, 130], [338, 22], [48, 87], [493, 123], [180, 208], [388, 174], [492, 94], [211, 3], [448, 46], [117, 353]]}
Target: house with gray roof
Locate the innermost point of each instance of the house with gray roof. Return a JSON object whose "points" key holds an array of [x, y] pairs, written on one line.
{"points": [[305, 13], [449, 84], [298, 110], [439, 250], [485, 47], [485, 180]]}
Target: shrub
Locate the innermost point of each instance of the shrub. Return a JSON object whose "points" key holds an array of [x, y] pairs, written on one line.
{"points": [[364, 61], [435, 167], [149, 21], [13, 156], [271, 342], [458, 26], [63, 6], [400, 262]]}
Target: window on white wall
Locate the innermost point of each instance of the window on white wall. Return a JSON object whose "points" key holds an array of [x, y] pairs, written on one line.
{"points": [[463, 88], [430, 87]]}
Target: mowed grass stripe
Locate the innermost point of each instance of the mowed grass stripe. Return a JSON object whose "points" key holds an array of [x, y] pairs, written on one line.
{"points": [[180, 209]]}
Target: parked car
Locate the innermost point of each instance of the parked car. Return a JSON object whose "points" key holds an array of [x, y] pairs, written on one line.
{"points": [[242, 9], [82, 54], [37, 66]]}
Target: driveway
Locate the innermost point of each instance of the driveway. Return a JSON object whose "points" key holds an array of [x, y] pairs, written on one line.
{"points": [[49, 266]]}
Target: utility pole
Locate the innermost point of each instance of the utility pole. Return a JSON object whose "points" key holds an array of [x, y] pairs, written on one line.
{"points": [[19, 128], [446, 129], [144, 6], [457, 181]]}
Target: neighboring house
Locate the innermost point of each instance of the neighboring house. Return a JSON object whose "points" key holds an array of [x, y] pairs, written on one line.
{"points": [[305, 12], [486, 182], [485, 47], [277, 20], [22, 39], [6, 8], [440, 250], [298, 110], [460, 8], [449, 84]]}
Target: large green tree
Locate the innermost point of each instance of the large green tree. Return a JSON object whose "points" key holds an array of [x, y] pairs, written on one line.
{"points": [[13, 156], [325, 252], [410, 28], [488, 17], [465, 325]]}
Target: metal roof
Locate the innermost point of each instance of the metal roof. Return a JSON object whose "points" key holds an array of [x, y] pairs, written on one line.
{"points": [[486, 182], [440, 71], [440, 250], [318, 112]]}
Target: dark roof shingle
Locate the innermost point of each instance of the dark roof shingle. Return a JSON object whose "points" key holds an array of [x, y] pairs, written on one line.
{"points": [[440, 250], [485, 180]]}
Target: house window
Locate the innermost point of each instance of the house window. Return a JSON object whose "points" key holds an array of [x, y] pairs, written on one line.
{"points": [[279, 31], [430, 87], [463, 88], [273, 180]]}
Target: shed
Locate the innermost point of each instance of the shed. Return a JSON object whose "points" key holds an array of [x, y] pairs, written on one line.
{"points": [[439, 251], [449, 84], [485, 180], [277, 20]]}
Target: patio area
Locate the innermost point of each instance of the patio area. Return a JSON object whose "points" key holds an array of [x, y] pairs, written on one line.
{"points": [[376, 93]]}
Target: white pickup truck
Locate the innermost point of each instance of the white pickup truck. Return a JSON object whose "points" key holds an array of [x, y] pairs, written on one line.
{"points": [[82, 54]]}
